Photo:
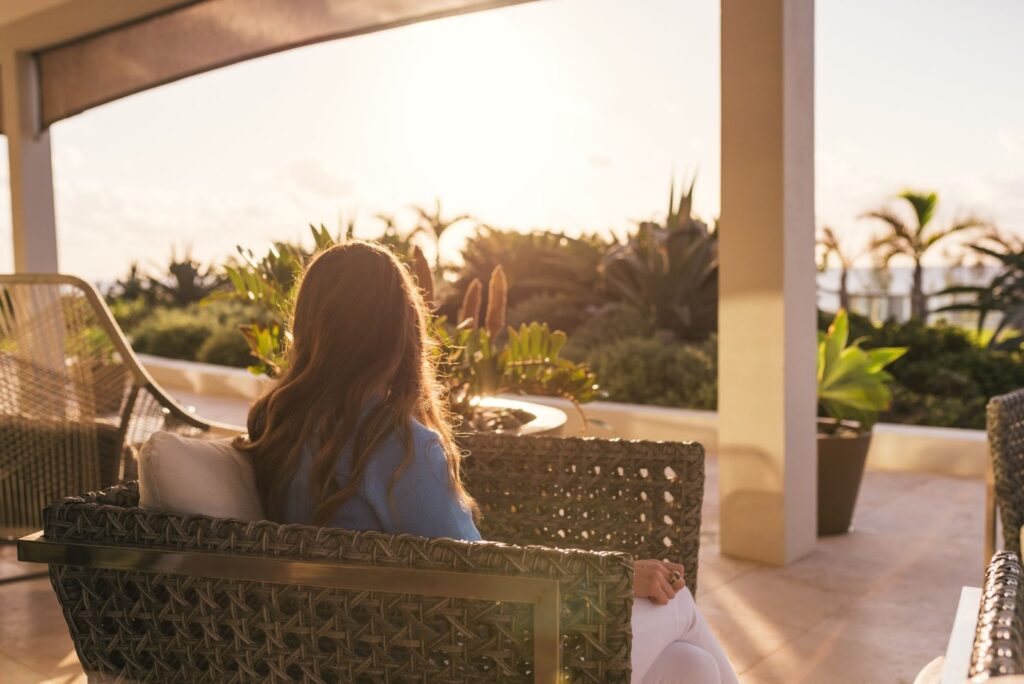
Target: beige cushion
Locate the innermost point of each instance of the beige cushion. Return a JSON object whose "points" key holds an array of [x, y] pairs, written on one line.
{"points": [[197, 477]]}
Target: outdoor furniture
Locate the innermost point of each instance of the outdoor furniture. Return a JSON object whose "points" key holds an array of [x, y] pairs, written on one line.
{"points": [[1005, 492], [75, 402], [987, 638], [598, 494], [998, 650], [159, 597]]}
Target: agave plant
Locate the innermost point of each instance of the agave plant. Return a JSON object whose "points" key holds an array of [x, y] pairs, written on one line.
{"points": [[134, 286], [852, 382], [186, 282], [670, 272]]}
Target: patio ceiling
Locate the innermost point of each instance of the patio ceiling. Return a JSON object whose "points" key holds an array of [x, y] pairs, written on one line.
{"points": [[106, 63]]}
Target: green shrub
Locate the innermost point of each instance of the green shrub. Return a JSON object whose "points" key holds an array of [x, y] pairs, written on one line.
{"points": [[226, 346], [172, 333], [659, 371], [560, 311], [946, 378], [915, 408], [130, 312], [860, 326], [609, 324], [181, 333], [535, 263]]}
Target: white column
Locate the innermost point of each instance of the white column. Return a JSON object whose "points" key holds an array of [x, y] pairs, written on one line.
{"points": [[33, 222], [767, 338]]}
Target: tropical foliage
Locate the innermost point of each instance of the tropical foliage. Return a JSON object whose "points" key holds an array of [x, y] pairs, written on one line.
{"points": [[831, 247], [1003, 295], [185, 282], [478, 356], [640, 312], [914, 238], [538, 264], [852, 382], [669, 271], [482, 356], [269, 282]]}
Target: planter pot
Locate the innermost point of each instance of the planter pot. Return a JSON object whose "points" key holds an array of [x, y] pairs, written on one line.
{"points": [[539, 419], [841, 460]]}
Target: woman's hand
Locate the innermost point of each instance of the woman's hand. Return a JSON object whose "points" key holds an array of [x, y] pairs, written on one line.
{"points": [[652, 580]]}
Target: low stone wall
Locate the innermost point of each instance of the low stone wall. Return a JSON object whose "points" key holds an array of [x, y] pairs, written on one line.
{"points": [[943, 451]]}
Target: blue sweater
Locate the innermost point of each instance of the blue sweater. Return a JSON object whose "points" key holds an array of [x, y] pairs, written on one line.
{"points": [[422, 501]]}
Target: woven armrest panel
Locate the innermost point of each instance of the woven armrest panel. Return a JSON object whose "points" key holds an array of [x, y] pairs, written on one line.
{"points": [[149, 627], [999, 637], [1005, 423], [640, 497]]}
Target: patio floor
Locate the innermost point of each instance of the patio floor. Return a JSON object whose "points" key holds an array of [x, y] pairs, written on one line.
{"points": [[872, 606]]}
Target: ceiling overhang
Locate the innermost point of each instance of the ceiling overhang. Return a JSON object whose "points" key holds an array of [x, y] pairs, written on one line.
{"points": [[104, 65]]}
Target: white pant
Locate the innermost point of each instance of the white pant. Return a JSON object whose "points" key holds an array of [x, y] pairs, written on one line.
{"points": [[672, 644]]}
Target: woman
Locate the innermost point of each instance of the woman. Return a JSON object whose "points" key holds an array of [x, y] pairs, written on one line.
{"points": [[354, 435]]}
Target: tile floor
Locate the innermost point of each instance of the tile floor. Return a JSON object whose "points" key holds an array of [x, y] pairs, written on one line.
{"points": [[869, 607]]}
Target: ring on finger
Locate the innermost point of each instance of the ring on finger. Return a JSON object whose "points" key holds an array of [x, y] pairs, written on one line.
{"points": [[674, 577]]}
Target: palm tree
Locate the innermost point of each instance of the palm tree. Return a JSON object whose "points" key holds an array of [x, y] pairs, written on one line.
{"points": [[829, 243], [435, 225], [914, 239]]}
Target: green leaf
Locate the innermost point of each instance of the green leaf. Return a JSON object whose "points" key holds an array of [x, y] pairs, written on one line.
{"points": [[851, 381]]}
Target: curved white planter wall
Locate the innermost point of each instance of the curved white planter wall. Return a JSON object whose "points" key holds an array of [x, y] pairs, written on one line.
{"points": [[224, 393]]}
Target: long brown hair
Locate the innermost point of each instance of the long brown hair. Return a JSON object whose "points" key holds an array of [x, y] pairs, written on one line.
{"points": [[359, 332]]}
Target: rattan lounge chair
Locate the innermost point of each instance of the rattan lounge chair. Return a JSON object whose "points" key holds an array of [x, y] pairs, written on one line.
{"points": [[1005, 490], [998, 652], [155, 597], [74, 400]]}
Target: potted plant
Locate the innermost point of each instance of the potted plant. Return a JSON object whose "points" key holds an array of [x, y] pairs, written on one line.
{"points": [[487, 359], [853, 387]]}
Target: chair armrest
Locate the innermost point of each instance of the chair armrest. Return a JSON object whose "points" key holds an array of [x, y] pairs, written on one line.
{"points": [[998, 648]]}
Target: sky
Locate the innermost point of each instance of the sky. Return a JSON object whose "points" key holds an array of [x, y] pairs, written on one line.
{"points": [[564, 114]]}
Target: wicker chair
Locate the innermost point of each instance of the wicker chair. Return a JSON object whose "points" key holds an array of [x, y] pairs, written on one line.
{"points": [[155, 597], [74, 400], [1005, 494], [998, 650]]}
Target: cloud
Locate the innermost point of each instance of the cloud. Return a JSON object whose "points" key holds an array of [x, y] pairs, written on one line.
{"points": [[1011, 140], [311, 175]]}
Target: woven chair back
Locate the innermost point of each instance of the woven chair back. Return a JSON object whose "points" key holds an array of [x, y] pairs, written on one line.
{"points": [[1006, 445], [640, 497], [74, 400]]}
